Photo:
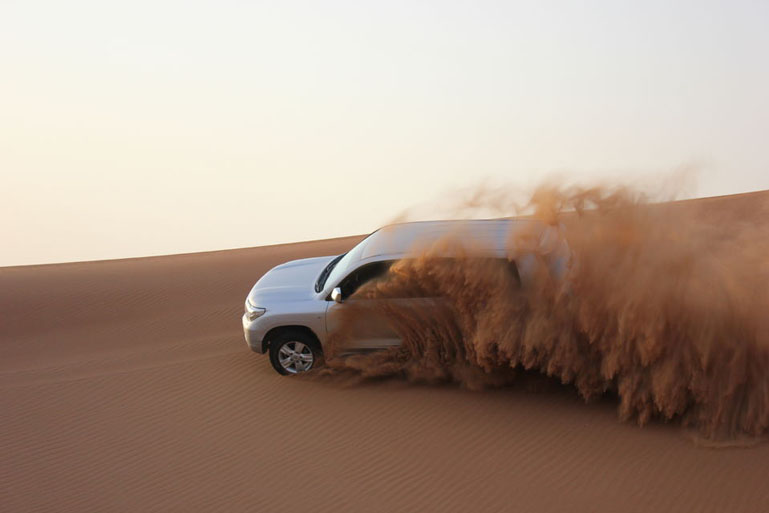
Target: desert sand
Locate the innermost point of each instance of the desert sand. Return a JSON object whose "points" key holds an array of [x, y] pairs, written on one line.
{"points": [[126, 385]]}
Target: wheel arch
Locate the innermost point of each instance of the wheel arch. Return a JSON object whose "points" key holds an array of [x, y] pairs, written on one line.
{"points": [[294, 327]]}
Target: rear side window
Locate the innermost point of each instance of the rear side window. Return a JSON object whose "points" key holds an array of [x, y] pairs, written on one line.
{"points": [[493, 262]]}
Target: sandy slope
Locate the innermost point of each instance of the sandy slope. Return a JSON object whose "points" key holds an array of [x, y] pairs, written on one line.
{"points": [[127, 386]]}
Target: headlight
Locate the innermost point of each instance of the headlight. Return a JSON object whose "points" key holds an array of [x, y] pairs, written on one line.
{"points": [[253, 312]]}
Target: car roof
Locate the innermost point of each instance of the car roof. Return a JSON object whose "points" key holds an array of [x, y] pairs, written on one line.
{"points": [[399, 240]]}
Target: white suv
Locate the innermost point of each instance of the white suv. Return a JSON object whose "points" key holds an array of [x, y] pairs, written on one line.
{"points": [[293, 308]]}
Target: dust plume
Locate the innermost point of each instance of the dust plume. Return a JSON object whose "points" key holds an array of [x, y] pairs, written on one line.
{"points": [[663, 305]]}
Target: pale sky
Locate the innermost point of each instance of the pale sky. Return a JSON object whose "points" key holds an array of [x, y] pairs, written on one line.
{"points": [[155, 127]]}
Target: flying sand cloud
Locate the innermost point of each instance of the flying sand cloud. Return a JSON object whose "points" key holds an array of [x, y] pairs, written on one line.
{"points": [[663, 305]]}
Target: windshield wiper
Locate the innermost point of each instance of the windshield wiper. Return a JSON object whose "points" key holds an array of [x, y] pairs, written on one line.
{"points": [[325, 272]]}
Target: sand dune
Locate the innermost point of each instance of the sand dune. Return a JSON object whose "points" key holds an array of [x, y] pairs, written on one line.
{"points": [[126, 386]]}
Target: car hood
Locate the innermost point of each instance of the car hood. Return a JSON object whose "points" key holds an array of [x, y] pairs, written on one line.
{"points": [[291, 281]]}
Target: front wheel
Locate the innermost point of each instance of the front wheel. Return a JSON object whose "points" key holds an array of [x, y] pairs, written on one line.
{"points": [[293, 352]]}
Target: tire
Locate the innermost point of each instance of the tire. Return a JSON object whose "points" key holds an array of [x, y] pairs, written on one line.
{"points": [[294, 352]]}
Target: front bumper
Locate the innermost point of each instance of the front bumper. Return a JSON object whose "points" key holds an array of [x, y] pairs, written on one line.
{"points": [[254, 335]]}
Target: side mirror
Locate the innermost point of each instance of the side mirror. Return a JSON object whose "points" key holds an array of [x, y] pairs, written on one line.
{"points": [[336, 294]]}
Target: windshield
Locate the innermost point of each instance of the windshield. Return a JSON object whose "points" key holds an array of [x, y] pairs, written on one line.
{"points": [[339, 266], [321, 281]]}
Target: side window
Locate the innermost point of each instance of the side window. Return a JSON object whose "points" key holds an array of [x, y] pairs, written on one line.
{"points": [[492, 270], [492, 264], [374, 270], [363, 274]]}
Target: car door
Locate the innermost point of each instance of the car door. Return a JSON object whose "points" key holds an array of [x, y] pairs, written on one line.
{"points": [[361, 323]]}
